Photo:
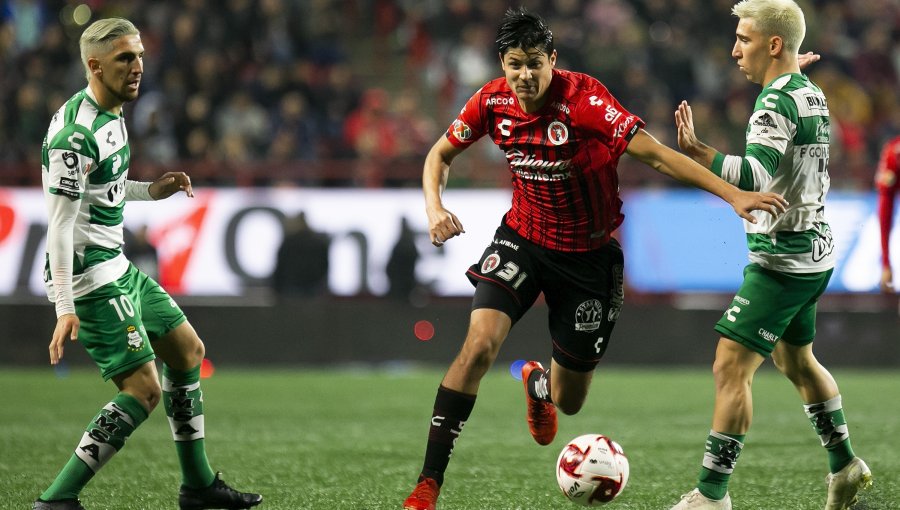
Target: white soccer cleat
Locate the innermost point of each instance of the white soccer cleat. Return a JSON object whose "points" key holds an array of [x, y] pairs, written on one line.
{"points": [[695, 501], [844, 485]]}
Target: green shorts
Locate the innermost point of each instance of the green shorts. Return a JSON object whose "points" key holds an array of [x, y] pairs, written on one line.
{"points": [[120, 319], [772, 306]]}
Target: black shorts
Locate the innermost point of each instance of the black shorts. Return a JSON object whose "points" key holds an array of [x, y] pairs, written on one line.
{"points": [[584, 292]]}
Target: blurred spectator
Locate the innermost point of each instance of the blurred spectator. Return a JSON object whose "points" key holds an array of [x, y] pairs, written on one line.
{"points": [[372, 134], [273, 84], [141, 252], [301, 265], [401, 266]]}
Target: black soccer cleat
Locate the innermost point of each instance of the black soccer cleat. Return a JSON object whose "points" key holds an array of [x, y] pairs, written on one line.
{"points": [[217, 496], [58, 504]]}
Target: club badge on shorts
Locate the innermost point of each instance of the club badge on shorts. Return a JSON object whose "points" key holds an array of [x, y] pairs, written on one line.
{"points": [[589, 315]]}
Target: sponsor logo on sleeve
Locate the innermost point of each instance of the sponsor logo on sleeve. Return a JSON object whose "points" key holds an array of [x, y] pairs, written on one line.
{"points": [[461, 130]]}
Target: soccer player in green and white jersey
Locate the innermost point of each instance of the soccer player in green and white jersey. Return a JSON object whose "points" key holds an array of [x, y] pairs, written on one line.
{"points": [[121, 316], [791, 255]]}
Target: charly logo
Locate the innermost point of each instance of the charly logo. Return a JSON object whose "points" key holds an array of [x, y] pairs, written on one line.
{"points": [[589, 315], [557, 132], [135, 340], [490, 263]]}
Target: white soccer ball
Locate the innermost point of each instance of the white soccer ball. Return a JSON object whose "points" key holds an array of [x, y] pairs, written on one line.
{"points": [[592, 470]]}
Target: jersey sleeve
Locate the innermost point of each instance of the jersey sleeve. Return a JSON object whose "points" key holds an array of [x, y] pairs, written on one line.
{"points": [[770, 130], [60, 246], [598, 113], [469, 124], [71, 154]]}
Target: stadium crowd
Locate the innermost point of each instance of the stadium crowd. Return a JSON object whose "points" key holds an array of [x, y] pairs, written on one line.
{"points": [[353, 92]]}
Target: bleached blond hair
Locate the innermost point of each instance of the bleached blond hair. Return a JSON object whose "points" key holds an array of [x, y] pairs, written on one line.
{"points": [[97, 38], [783, 18]]}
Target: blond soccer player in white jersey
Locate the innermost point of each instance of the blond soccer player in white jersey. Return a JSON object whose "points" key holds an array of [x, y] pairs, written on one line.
{"points": [[791, 256], [123, 318]]}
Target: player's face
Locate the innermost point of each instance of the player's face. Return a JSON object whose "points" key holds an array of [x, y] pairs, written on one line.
{"points": [[528, 73], [119, 71], [751, 51]]}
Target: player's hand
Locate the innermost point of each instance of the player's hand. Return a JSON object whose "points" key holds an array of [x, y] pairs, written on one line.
{"points": [[887, 280], [67, 326], [443, 225], [746, 202], [807, 58], [169, 184], [684, 122]]}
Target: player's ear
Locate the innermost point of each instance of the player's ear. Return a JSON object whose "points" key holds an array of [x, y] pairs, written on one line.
{"points": [[94, 66], [553, 59], [776, 45]]}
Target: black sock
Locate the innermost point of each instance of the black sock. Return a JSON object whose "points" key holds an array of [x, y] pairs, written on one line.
{"points": [[539, 385], [451, 410]]}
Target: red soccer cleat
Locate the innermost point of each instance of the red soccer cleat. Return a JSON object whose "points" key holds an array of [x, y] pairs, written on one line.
{"points": [[541, 415], [424, 496]]}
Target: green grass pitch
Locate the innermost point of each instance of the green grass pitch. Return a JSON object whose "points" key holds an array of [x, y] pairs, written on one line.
{"points": [[354, 439]]}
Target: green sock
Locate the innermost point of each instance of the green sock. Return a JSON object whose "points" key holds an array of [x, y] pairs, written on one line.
{"points": [[103, 437], [183, 401], [828, 420], [722, 452]]}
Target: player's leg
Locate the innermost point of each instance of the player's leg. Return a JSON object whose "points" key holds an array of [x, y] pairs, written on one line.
{"points": [[105, 435], [585, 294], [455, 400], [749, 329], [504, 290], [177, 344], [733, 371], [112, 335], [569, 387], [823, 406]]}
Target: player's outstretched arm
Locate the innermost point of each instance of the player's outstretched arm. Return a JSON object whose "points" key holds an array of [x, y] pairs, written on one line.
{"points": [[442, 224], [663, 159], [169, 184]]}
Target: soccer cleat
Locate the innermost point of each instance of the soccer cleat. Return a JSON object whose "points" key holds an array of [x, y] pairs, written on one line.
{"points": [[694, 500], [541, 415], [844, 485], [218, 495], [424, 496], [59, 504]]}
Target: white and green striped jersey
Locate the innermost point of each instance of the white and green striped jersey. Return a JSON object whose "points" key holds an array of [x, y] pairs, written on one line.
{"points": [[85, 157], [787, 153]]}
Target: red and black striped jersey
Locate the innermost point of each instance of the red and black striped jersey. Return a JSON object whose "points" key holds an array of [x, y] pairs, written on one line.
{"points": [[562, 158]]}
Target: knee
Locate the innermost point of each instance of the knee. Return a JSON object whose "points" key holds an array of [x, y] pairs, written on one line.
{"points": [[729, 374], [191, 355], [148, 395], [197, 354], [478, 352]]}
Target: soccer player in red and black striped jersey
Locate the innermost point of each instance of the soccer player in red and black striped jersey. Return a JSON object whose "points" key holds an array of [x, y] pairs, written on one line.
{"points": [[563, 134], [887, 181]]}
